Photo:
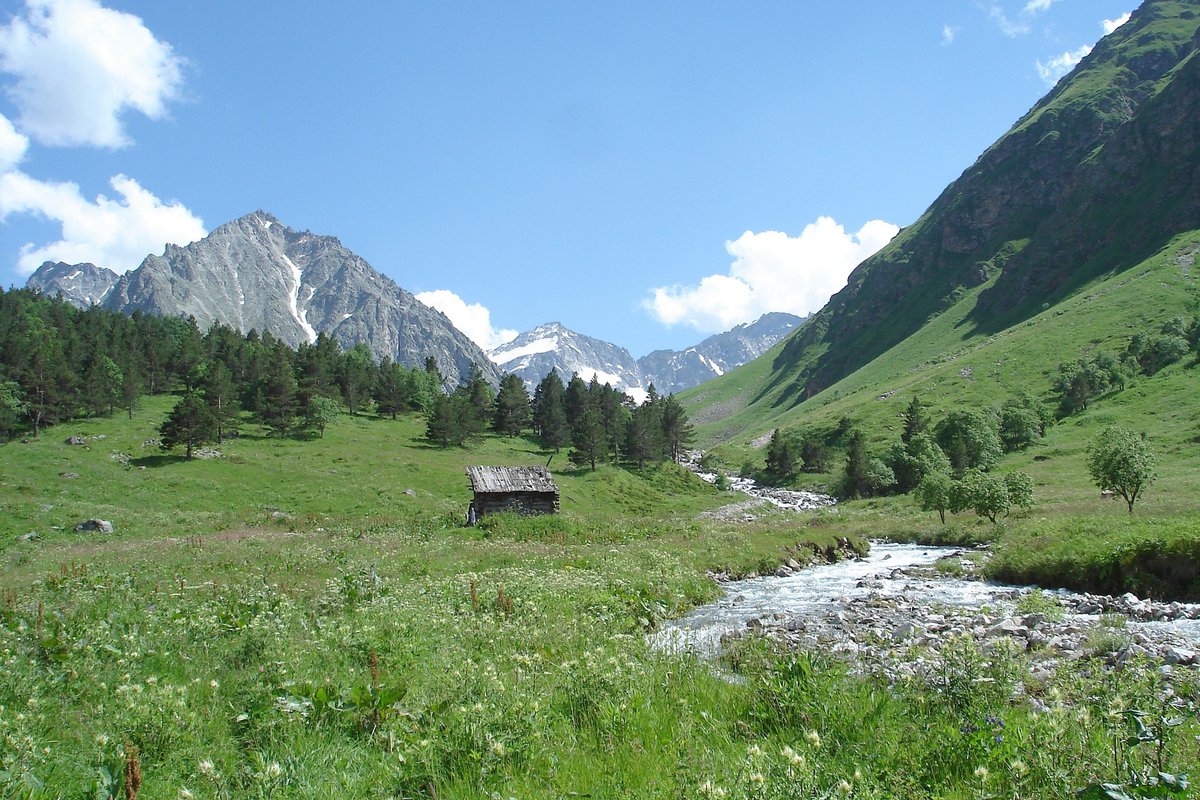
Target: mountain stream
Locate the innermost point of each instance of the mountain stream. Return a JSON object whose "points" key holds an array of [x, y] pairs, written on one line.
{"points": [[893, 611]]}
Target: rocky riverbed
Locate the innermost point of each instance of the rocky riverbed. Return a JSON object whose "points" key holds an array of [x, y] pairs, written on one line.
{"points": [[760, 497], [892, 613]]}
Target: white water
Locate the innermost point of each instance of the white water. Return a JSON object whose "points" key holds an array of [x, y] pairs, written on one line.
{"points": [[827, 587]]}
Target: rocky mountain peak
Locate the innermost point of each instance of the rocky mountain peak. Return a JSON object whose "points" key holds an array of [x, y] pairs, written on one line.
{"points": [[255, 272], [81, 285]]}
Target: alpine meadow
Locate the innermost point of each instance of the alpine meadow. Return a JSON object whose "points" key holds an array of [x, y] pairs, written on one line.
{"points": [[240, 556]]}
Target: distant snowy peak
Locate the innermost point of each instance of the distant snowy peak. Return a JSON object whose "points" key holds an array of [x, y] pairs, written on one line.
{"points": [[534, 353], [81, 285], [675, 370], [553, 346]]}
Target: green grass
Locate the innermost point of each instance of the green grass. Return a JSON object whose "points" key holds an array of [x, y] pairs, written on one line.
{"points": [[368, 645]]}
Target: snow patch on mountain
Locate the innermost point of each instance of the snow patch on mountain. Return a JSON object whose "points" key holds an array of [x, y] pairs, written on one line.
{"points": [[507, 354]]}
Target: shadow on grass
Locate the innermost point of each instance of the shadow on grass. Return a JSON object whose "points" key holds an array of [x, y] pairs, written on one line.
{"points": [[158, 461]]}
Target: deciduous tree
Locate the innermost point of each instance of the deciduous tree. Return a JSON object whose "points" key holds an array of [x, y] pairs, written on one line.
{"points": [[1121, 461]]}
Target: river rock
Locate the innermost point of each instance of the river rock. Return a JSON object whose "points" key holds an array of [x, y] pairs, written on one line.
{"points": [[1179, 655]]}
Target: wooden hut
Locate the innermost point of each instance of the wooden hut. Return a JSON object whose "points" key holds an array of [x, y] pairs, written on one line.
{"points": [[525, 490]]}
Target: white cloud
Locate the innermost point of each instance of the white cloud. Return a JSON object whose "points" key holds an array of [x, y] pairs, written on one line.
{"points": [[114, 233], [1036, 7], [13, 145], [472, 319], [1022, 24], [1054, 69], [772, 271], [1111, 25], [949, 32], [1009, 27], [79, 66]]}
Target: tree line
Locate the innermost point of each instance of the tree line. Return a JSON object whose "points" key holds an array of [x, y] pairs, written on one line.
{"points": [[599, 423], [59, 363]]}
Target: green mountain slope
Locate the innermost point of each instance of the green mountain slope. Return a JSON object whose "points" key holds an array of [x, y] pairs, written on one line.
{"points": [[1096, 182]]}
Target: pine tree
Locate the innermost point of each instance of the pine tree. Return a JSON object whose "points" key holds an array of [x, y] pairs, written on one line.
{"points": [[356, 374], [131, 387], [221, 397], [677, 430], [478, 394], [276, 403], [102, 385], [589, 440], [391, 388], [856, 481], [576, 402], [550, 412], [447, 422], [643, 435], [914, 420], [190, 424], [782, 461], [511, 412]]}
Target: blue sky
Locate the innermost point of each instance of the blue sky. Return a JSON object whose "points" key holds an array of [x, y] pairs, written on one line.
{"points": [[646, 173]]}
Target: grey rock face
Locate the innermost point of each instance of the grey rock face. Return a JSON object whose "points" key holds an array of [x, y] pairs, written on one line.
{"points": [[675, 370], [534, 353], [81, 285], [257, 273]]}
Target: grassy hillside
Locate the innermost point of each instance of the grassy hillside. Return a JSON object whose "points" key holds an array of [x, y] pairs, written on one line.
{"points": [[364, 468], [288, 621], [1097, 177], [950, 361]]}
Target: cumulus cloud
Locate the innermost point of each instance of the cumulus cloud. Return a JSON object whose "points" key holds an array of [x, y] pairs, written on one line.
{"points": [[472, 319], [111, 232], [949, 33], [79, 66], [1060, 65], [1110, 25], [13, 145], [772, 271]]}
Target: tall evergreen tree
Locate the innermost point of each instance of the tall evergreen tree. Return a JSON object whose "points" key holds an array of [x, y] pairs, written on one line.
{"points": [[576, 402], [131, 387], [391, 388], [643, 435], [856, 481], [447, 422], [914, 420], [550, 412], [479, 396], [221, 396], [511, 412], [356, 375], [102, 384], [589, 440], [678, 433], [276, 403]]}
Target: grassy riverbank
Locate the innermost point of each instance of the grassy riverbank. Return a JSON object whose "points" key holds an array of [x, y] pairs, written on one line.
{"points": [[289, 621]]}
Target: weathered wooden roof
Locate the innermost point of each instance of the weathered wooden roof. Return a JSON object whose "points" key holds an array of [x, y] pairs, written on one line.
{"points": [[511, 479]]}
